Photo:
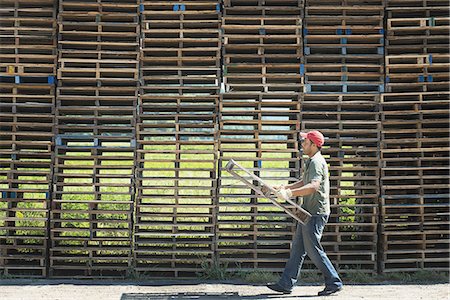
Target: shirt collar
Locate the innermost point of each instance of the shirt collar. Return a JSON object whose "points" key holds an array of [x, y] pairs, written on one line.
{"points": [[309, 159], [314, 156]]}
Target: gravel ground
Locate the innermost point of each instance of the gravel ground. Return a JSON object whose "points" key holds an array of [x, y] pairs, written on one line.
{"points": [[112, 290]]}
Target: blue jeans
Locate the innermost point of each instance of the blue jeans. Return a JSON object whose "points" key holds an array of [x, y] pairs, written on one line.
{"points": [[307, 241]]}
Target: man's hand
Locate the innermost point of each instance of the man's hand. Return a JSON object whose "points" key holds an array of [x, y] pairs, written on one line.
{"points": [[266, 191], [284, 194], [279, 187]]}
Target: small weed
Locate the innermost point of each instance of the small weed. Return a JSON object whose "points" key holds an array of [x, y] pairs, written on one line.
{"points": [[214, 271], [311, 277], [135, 275], [360, 277], [257, 276], [5, 276]]}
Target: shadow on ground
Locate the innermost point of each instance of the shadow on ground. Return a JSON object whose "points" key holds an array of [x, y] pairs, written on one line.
{"points": [[203, 296]]}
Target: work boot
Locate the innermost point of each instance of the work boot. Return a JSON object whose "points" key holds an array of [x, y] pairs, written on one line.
{"points": [[278, 288], [330, 290]]}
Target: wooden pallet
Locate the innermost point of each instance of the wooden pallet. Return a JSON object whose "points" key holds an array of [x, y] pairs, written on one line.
{"points": [[343, 49], [91, 209], [176, 184], [417, 72], [27, 69], [408, 126], [176, 131], [417, 10], [24, 213], [415, 4], [107, 7], [267, 7], [353, 68], [417, 30], [28, 47], [347, 9], [414, 179], [181, 48], [406, 251], [93, 196], [262, 47]]}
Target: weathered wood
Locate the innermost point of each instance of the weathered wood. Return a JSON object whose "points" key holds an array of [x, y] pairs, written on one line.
{"points": [[298, 213]]}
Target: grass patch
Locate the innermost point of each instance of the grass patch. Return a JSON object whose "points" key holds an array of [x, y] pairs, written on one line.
{"points": [[214, 271], [360, 277], [258, 276], [421, 276], [221, 272], [310, 277]]}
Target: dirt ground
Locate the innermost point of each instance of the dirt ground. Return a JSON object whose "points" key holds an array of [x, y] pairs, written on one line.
{"points": [[11, 289]]}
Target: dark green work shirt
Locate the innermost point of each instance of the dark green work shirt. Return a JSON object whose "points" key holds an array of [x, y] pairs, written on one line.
{"points": [[316, 168]]}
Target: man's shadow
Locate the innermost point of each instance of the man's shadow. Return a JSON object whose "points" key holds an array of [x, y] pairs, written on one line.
{"points": [[207, 296]]}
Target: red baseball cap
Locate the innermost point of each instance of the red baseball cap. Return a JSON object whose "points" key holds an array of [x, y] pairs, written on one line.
{"points": [[315, 136]]}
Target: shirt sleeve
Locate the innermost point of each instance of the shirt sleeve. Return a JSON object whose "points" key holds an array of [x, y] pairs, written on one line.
{"points": [[316, 171]]}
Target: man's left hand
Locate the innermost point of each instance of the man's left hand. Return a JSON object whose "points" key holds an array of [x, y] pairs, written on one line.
{"points": [[284, 194], [266, 191]]}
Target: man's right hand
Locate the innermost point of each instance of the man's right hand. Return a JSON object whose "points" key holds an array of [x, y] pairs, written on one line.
{"points": [[279, 187]]}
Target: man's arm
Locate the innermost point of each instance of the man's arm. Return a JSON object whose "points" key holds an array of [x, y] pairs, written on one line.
{"points": [[295, 185], [305, 190], [291, 186]]}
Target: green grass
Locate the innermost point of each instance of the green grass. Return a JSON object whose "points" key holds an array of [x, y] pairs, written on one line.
{"points": [[214, 271], [420, 276], [258, 276]]}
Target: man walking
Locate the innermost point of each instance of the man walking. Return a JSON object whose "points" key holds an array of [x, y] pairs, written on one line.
{"points": [[315, 190]]}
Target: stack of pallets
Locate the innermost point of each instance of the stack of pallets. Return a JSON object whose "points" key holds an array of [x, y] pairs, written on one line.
{"points": [[258, 128], [177, 154], [415, 130], [350, 122], [343, 69], [262, 46], [417, 39], [343, 46], [27, 70], [95, 139]]}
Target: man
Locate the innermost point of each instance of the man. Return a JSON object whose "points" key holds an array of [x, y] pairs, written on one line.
{"points": [[315, 190]]}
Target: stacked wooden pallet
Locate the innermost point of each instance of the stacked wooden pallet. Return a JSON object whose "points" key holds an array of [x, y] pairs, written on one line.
{"points": [[258, 127], [95, 139], [27, 70], [415, 129], [177, 154], [351, 125], [262, 46], [417, 54], [343, 46], [414, 177]]}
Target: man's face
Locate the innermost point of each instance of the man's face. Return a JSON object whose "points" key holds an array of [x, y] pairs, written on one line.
{"points": [[307, 146]]}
